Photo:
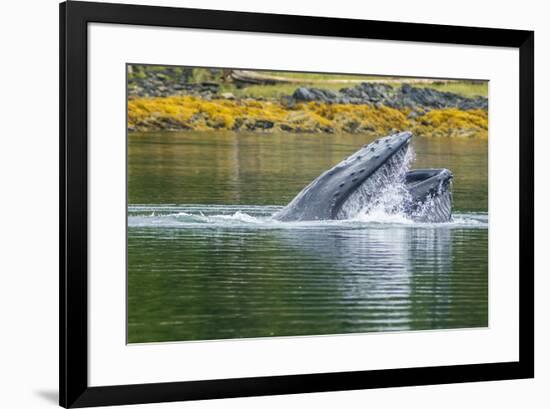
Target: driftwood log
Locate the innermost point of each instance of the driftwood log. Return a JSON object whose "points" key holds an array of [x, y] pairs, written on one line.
{"points": [[247, 77]]}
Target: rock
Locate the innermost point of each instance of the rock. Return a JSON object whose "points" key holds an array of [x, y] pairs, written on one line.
{"points": [[288, 102], [263, 124], [238, 123], [227, 95], [351, 126], [210, 86], [378, 94], [169, 82], [303, 94]]}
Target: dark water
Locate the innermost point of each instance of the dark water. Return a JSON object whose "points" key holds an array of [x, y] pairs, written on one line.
{"points": [[205, 261]]}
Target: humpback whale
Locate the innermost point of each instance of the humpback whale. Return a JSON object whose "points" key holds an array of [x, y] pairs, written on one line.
{"points": [[362, 181]]}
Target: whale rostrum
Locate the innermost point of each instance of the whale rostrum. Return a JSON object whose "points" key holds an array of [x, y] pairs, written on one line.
{"points": [[376, 175]]}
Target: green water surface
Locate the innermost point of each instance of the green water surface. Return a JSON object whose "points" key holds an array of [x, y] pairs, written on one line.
{"points": [[189, 280]]}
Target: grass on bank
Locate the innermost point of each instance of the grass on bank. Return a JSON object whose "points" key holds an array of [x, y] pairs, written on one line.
{"points": [[466, 88]]}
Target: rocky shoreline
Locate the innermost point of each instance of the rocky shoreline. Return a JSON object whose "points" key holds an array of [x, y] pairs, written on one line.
{"points": [[168, 82], [403, 97], [167, 101]]}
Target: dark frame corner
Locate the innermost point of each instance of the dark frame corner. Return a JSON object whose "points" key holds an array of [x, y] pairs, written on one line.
{"points": [[73, 367]]}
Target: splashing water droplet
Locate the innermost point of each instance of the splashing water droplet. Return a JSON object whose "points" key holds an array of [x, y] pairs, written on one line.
{"points": [[384, 192]]}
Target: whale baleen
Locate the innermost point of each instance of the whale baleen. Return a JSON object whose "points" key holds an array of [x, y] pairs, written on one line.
{"points": [[429, 195]]}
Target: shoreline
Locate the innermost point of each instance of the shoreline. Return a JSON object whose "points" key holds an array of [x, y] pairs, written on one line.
{"points": [[227, 113]]}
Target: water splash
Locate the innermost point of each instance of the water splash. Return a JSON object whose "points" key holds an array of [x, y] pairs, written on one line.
{"points": [[384, 193], [436, 207], [260, 217]]}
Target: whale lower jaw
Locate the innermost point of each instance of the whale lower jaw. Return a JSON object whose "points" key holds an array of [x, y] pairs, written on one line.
{"points": [[435, 209], [430, 195]]}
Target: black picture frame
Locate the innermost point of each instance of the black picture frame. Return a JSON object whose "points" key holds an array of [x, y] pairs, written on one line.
{"points": [[73, 258]]}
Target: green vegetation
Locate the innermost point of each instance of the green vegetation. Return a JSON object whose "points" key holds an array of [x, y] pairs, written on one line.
{"points": [[464, 88], [310, 77], [141, 71]]}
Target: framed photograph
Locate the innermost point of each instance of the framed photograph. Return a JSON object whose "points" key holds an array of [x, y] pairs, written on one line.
{"points": [[256, 204]]}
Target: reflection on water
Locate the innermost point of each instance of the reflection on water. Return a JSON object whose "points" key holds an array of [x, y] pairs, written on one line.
{"points": [[270, 169], [215, 271]]}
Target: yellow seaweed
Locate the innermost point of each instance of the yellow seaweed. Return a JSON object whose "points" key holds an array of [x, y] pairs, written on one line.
{"points": [[201, 114]]}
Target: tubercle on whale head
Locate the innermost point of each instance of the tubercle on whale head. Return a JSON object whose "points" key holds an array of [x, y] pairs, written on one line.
{"points": [[386, 144], [354, 170], [371, 156]]}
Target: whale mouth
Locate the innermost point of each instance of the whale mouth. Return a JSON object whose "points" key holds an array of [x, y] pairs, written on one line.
{"points": [[375, 181], [384, 189], [428, 177], [430, 194]]}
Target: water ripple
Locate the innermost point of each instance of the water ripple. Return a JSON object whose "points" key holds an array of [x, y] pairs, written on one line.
{"points": [[217, 272], [227, 216]]}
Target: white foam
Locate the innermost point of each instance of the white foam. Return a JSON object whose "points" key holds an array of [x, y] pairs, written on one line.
{"points": [[260, 217]]}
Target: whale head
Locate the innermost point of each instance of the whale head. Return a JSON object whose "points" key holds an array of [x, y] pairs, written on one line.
{"points": [[362, 174]]}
